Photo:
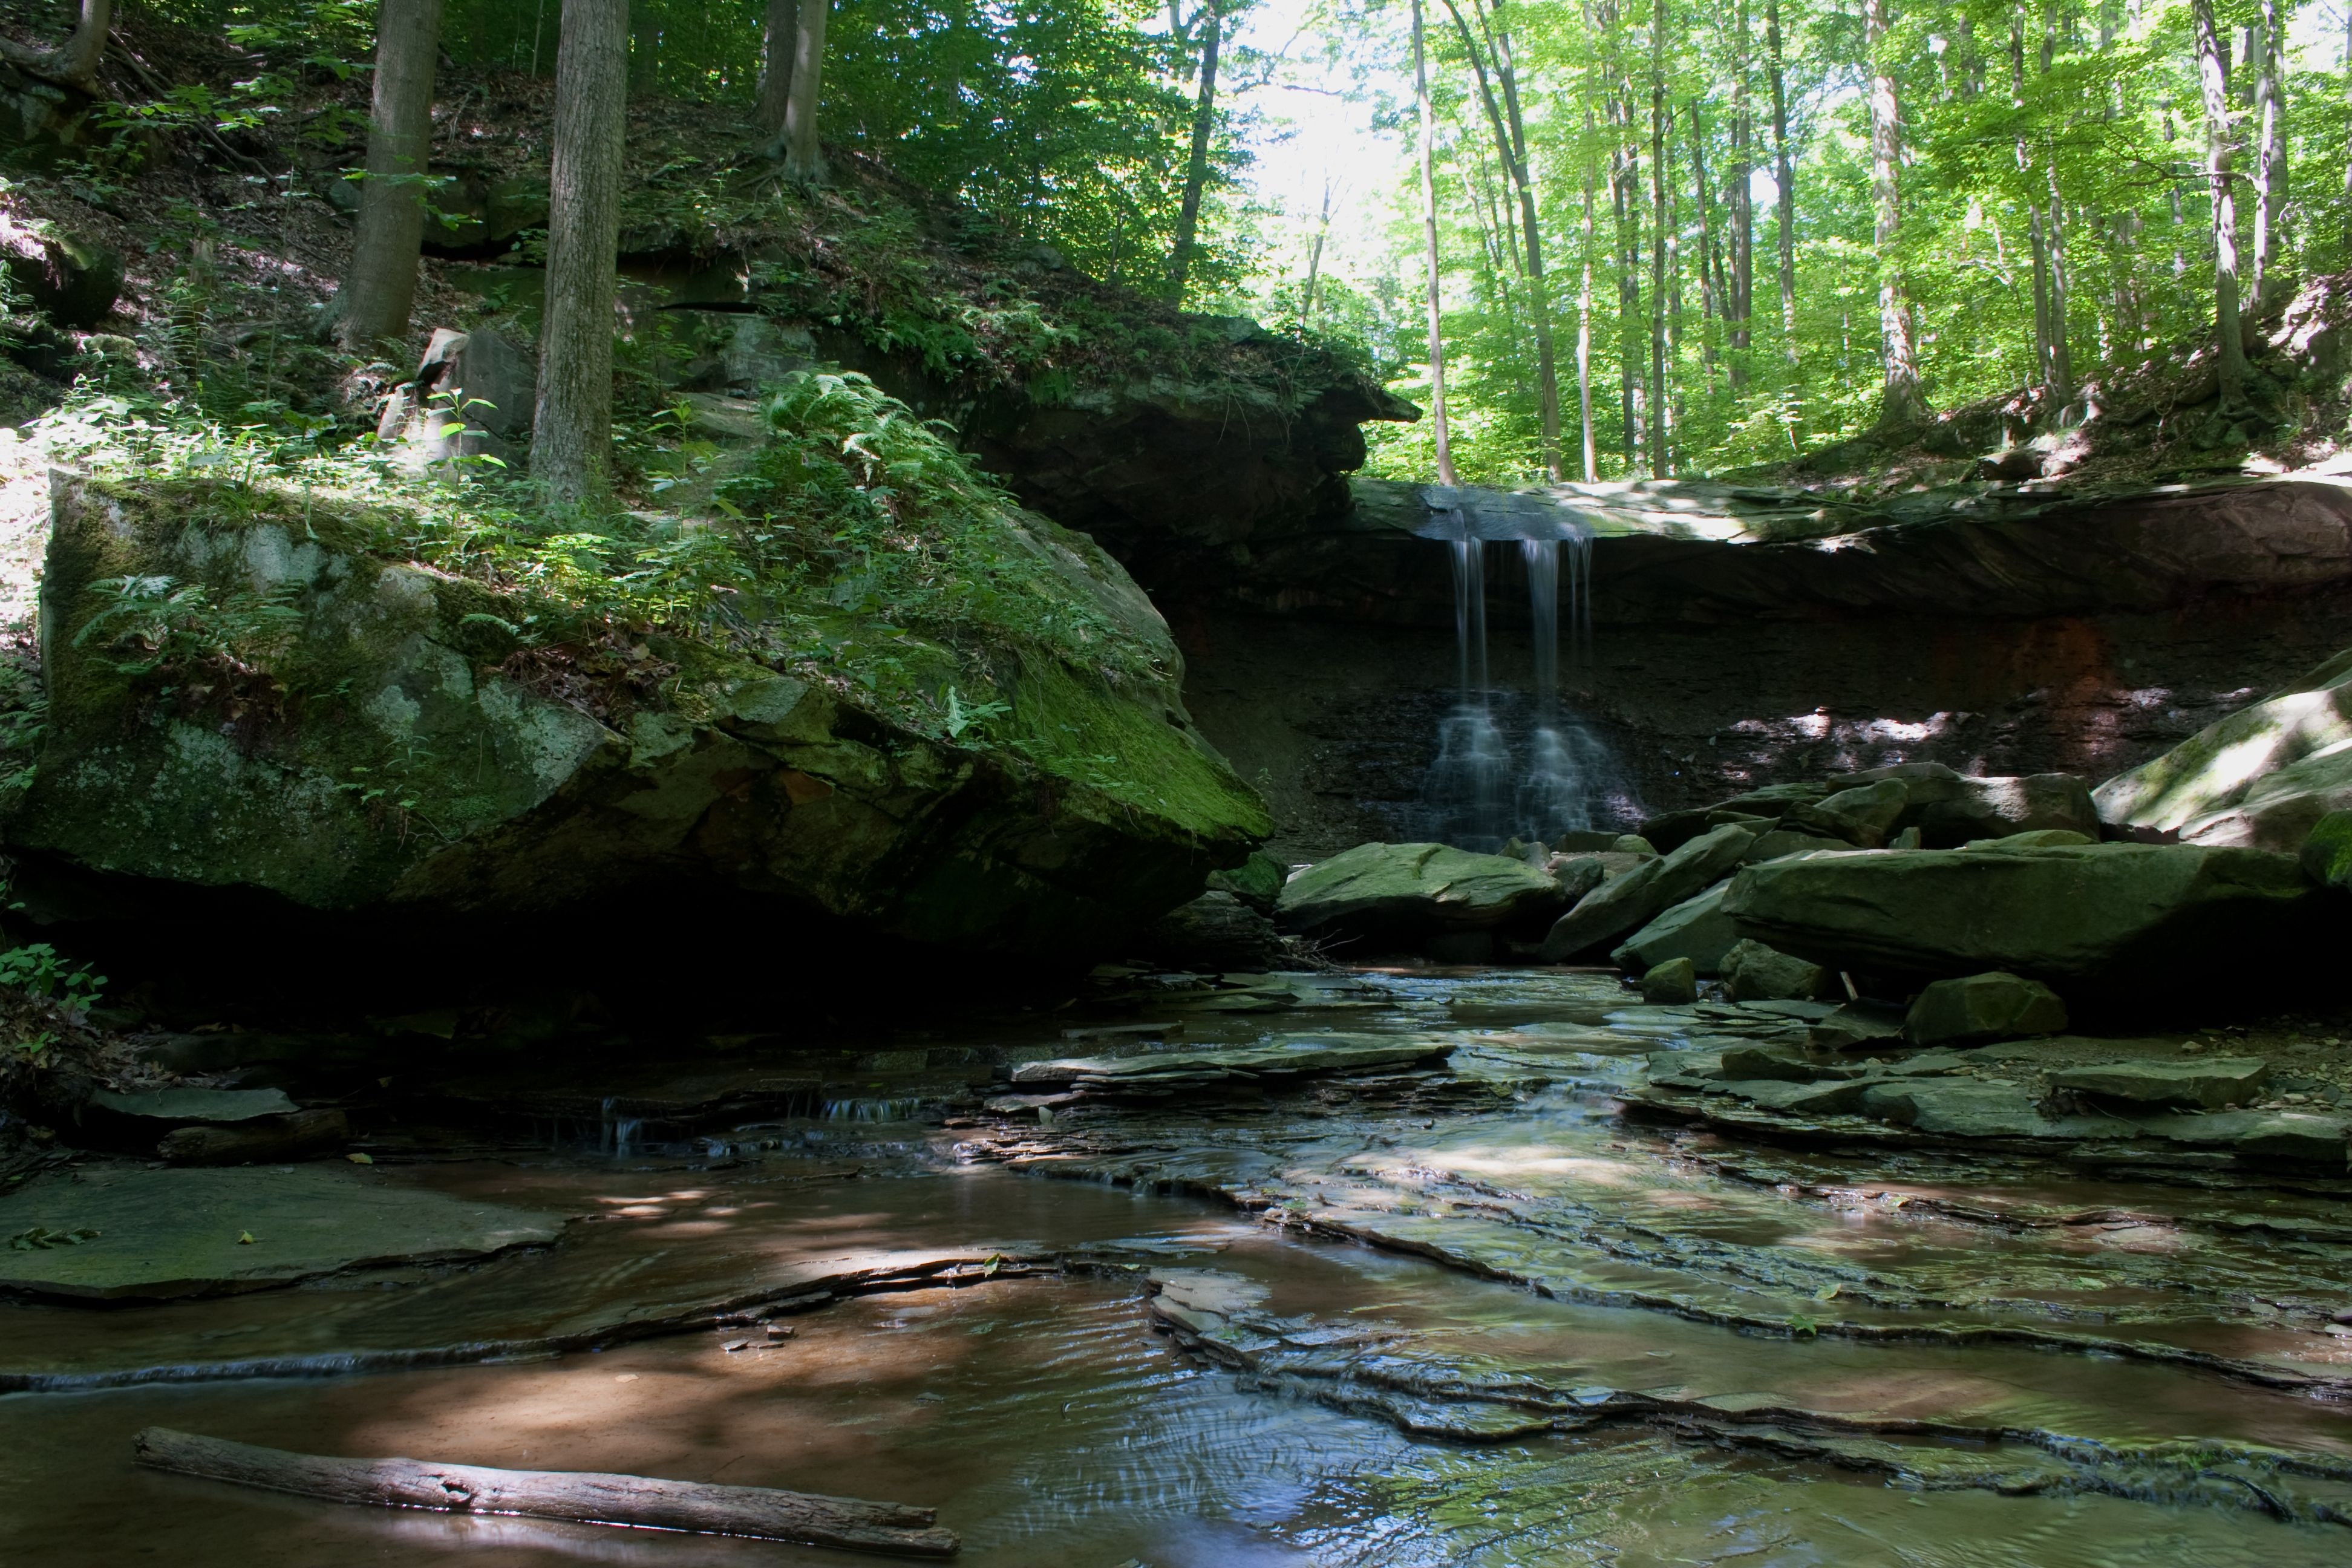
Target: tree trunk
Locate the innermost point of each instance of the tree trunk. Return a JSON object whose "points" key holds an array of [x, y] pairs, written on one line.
{"points": [[1538, 289], [1584, 315], [2043, 374], [372, 307], [1784, 176], [2062, 356], [2213, 80], [1662, 442], [779, 39], [1196, 171], [2269, 158], [572, 438], [1315, 259], [74, 62], [803, 157], [1903, 405], [1429, 231], [1740, 286]]}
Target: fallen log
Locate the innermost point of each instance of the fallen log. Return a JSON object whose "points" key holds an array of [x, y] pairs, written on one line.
{"points": [[578, 1496]]}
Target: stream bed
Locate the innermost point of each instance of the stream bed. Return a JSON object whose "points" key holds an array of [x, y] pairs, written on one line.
{"points": [[1461, 1313]]}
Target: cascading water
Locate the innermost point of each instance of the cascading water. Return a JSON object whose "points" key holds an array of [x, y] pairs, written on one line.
{"points": [[1472, 796]]}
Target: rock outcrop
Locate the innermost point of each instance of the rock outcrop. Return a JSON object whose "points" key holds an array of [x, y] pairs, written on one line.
{"points": [[2263, 777], [317, 720], [1406, 893], [2107, 917]]}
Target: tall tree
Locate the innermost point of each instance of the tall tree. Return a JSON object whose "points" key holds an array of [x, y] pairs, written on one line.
{"points": [[1584, 304], [1739, 286], [2213, 80], [1509, 131], [779, 39], [1662, 461], [1204, 120], [803, 157], [1903, 403], [370, 308], [2269, 157], [1429, 228], [1784, 178], [572, 436]]}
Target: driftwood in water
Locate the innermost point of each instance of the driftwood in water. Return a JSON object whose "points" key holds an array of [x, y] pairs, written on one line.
{"points": [[579, 1496]]}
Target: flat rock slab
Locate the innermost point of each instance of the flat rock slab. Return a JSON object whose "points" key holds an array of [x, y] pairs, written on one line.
{"points": [[1301, 1058], [174, 1233], [2188, 1085], [189, 1106]]}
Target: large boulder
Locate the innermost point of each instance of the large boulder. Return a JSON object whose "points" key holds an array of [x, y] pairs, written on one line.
{"points": [[249, 690], [2152, 917], [1695, 930], [2263, 777], [1407, 892], [1980, 1007], [1627, 903]]}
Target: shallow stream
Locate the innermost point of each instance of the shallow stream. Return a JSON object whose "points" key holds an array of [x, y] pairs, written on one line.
{"points": [[1469, 1315]]}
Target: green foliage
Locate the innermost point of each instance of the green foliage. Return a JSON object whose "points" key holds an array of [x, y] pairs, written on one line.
{"points": [[36, 970]]}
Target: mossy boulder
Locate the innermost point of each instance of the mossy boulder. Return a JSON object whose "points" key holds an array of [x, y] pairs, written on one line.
{"points": [[1412, 891], [2150, 920], [2263, 777], [254, 691]]}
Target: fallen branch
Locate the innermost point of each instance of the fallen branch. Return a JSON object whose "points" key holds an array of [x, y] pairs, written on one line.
{"points": [[577, 1496]]}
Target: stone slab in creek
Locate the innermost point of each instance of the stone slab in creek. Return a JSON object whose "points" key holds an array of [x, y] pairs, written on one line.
{"points": [[2194, 1085], [182, 1107], [1326, 1054], [162, 1234]]}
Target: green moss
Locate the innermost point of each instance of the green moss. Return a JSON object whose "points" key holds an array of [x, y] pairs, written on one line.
{"points": [[1137, 750]]}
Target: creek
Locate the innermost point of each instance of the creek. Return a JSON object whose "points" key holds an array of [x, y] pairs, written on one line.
{"points": [[1460, 1313]]}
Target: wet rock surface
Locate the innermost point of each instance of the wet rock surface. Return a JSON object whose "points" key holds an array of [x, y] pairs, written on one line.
{"points": [[1647, 1279]]}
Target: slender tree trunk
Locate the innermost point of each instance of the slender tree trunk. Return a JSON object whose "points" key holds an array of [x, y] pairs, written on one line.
{"points": [[1740, 286], [74, 62], [1584, 315], [804, 156], [1314, 258], [1784, 175], [1539, 288], [1196, 170], [1903, 405], [2043, 372], [2213, 80], [2269, 158], [2062, 357], [1714, 294], [1429, 233], [572, 438], [372, 307], [780, 39], [1661, 459]]}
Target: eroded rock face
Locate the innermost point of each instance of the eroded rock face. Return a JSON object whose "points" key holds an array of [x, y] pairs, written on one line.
{"points": [[2262, 777], [387, 753], [2131, 917]]}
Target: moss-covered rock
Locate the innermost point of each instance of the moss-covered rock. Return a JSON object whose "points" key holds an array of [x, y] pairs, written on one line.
{"points": [[2262, 777], [258, 693]]}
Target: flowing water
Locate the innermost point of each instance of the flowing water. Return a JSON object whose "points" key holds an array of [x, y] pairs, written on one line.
{"points": [[1481, 790], [1460, 1315]]}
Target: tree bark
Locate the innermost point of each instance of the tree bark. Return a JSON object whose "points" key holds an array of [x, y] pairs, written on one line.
{"points": [[1662, 453], [1784, 177], [1740, 286], [1509, 131], [73, 63], [1903, 403], [2213, 80], [1429, 230], [1584, 315], [803, 157], [764, 1513], [1196, 169], [571, 435], [372, 307], [2269, 158], [1315, 259], [780, 37]]}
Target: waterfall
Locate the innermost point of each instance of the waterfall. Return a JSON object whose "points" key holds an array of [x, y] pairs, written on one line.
{"points": [[1473, 797]]}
